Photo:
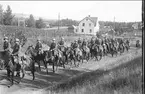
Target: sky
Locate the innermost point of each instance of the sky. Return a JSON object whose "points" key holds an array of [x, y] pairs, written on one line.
{"points": [[122, 11]]}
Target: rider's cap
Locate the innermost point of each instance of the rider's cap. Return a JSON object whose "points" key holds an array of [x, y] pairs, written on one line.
{"points": [[53, 39]]}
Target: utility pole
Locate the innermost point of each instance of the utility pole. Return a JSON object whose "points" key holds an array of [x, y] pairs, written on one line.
{"points": [[58, 20], [113, 28]]}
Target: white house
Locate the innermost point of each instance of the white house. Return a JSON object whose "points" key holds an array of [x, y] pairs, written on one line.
{"points": [[88, 25]]}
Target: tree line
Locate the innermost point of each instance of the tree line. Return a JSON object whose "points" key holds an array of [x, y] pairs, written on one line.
{"points": [[120, 27], [8, 18]]}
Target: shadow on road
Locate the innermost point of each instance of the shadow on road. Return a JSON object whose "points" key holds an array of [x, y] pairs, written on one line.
{"points": [[42, 78]]}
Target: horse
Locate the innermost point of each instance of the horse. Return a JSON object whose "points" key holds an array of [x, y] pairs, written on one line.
{"points": [[113, 49], [71, 56], [92, 52], [63, 49], [12, 66], [98, 50], [104, 49], [78, 54], [36, 57], [49, 59], [127, 47], [60, 58], [86, 53]]}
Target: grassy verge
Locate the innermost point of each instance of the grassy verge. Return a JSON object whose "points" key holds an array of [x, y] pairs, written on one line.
{"points": [[124, 79]]}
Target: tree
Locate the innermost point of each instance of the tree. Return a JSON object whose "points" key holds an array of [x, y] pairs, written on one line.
{"points": [[31, 21], [1, 14], [40, 23], [8, 17]]}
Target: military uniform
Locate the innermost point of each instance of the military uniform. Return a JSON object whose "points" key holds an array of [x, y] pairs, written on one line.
{"points": [[84, 43], [97, 41], [61, 42], [6, 46], [38, 47], [16, 49], [16, 57], [52, 47], [79, 41], [75, 45], [61, 45], [6, 50]]}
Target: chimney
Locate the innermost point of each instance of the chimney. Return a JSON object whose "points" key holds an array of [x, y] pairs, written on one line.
{"points": [[88, 15]]}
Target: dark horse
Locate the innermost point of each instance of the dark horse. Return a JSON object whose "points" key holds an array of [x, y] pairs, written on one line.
{"points": [[11, 66], [36, 57], [71, 56]]}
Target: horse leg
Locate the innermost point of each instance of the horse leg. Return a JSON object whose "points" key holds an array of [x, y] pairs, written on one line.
{"points": [[33, 73], [53, 67], [12, 78], [45, 64], [39, 65], [8, 73]]}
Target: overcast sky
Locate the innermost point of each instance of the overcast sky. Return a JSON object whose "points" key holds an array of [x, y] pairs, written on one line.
{"points": [[125, 11]]}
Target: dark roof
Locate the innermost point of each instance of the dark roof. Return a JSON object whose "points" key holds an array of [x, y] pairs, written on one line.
{"points": [[93, 19]]}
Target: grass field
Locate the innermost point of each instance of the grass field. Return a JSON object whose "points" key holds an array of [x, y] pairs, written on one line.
{"points": [[124, 79]]}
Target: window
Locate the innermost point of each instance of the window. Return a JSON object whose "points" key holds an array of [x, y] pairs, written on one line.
{"points": [[90, 30], [83, 24], [82, 30], [87, 19], [89, 24]]}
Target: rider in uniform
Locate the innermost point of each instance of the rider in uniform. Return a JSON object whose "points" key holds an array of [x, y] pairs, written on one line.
{"points": [[97, 41], [38, 47], [79, 41], [61, 43], [75, 46], [53, 46], [6, 46], [16, 57], [137, 43], [127, 42], [84, 43]]}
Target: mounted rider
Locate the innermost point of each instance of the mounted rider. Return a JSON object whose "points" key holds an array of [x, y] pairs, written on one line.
{"points": [[75, 46], [127, 42], [85, 46], [137, 43], [6, 46], [53, 47], [92, 41], [61, 44], [16, 57], [38, 47], [79, 42]]}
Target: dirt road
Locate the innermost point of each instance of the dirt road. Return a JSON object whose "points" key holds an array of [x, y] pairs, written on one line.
{"points": [[27, 86]]}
